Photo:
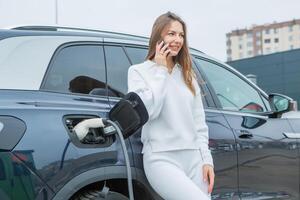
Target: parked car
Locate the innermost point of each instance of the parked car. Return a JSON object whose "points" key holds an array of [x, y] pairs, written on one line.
{"points": [[51, 78]]}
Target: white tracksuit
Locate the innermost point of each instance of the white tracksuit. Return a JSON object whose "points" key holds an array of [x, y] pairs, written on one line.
{"points": [[175, 139]]}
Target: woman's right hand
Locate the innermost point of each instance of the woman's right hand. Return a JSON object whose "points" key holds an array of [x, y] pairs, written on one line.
{"points": [[161, 54]]}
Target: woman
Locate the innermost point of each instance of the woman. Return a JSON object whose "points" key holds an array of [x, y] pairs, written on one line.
{"points": [[177, 161]]}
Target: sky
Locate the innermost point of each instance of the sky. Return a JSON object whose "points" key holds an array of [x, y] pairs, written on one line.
{"points": [[207, 21]]}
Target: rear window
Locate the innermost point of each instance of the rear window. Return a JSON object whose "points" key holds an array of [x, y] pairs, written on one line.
{"points": [[77, 69]]}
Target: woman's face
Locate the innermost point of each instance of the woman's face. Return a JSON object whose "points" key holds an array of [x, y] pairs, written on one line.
{"points": [[174, 35]]}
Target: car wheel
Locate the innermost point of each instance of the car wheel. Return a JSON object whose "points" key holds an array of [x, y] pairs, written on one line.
{"points": [[98, 195]]}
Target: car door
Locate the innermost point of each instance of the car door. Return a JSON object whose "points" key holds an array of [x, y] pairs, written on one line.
{"points": [[136, 55], [222, 145], [119, 58], [75, 87], [117, 70], [268, 162], [117, 65]]}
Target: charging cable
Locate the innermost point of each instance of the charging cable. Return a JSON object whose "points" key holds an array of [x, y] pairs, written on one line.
{"points": [[82, 129]]}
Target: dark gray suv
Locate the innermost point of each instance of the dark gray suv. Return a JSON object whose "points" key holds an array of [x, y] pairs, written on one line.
{"points": [[51, 78]]}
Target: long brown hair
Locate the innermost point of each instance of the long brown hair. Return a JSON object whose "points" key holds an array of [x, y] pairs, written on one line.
{"points": [[183, 57]]}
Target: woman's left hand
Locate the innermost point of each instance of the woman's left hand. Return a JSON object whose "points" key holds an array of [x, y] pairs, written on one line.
{"points": [[209, 175]]}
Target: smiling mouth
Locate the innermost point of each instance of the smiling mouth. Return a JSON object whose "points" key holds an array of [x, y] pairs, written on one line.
{"points": [[174, 48]]}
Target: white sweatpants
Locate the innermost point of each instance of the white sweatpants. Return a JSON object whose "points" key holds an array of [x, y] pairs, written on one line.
{"points": [[176, 175]]}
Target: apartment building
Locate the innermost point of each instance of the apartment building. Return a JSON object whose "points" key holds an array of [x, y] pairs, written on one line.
{"points": [[263, 39]]}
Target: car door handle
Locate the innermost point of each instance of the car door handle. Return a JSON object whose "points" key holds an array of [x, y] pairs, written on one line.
{"points": [[291, 135], [244, 134]]}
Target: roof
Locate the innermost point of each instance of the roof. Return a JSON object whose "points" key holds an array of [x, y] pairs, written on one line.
{"points": [[30, 30], [65, 31]]}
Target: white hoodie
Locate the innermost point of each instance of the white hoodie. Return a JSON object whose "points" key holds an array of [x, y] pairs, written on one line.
{"points": [[176, 116]]}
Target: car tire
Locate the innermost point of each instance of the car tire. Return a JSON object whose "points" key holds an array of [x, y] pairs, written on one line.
{"points": [[97, 195]]}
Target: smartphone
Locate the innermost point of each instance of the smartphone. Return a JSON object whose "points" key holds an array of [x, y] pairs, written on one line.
{"points": [[159, 41], [163, 45]]}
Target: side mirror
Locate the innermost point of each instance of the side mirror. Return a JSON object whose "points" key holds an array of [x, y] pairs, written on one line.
{"points": [[281, 103]]}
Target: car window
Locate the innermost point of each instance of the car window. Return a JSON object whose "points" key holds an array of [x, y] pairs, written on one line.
{"points": [[136, 55], [117, 68], [205, 97], [232, 92], [77, 69]]}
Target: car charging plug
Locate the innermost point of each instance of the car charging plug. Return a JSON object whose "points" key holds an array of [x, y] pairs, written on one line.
{"points": [[82, 128]]}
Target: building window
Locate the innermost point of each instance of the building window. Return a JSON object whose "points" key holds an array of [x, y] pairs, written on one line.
{"points": [[257, 34], [228, 42], [268, 50], [290, 38], [291, 28], [291, 47], [267, 41], [249, 53], [249, 44], [276, 40], [259, 52], [258, 42], [275, 30], [240, 38], [241, 55], [267, 31], [249, 35], [240, 46], [228, 51]]}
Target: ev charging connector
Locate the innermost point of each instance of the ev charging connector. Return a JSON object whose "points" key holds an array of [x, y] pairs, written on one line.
{"points": [[125, 118]]}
